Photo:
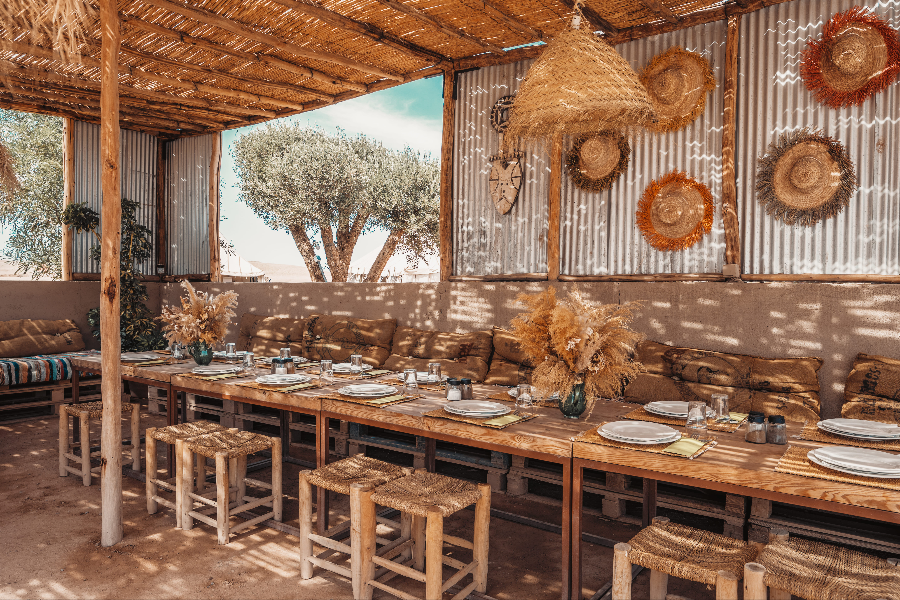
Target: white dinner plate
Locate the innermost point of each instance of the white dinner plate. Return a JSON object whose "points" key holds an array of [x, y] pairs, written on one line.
{"points": [[474, 406], [859, 458], [640, 432], [283, 379], [858, 436], [671, 439], [139, 356], [675, 409], [223, 354], [345, 367], [215, 370], [297, 359], [368, 390], [860, 428], [452, 408], [811, 455]]}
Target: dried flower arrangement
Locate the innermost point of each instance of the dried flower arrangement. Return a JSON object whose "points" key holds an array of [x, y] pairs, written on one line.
{"points": [[201, 318], [576, 341]]}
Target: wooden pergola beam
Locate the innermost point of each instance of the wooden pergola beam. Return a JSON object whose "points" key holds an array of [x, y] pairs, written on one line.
{"points": [[445, 227], [661, 10], [55, 111], [440, 25], [366, 30], [68, 194], [250, 57], [498, 14], [210, 18]]}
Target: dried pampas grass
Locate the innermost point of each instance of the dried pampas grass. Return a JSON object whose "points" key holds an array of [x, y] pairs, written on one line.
{"points": [[575, 340], [59, 24], [201, 318]]}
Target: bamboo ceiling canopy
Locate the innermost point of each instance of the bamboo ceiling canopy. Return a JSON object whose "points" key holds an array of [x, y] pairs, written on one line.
{"points": [[209, 65]]}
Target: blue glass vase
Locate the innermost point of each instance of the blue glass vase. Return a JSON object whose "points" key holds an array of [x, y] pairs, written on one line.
{"points": [[573, 405], [201, 352]]}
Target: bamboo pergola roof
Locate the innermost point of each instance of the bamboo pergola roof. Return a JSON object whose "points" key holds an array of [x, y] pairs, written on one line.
{"points": [[209, 65]]}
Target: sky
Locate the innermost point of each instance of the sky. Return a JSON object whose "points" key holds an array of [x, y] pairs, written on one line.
{"points": [[406, 115]]}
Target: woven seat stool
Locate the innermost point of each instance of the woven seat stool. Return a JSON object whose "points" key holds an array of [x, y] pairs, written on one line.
{"points": [[670, 549], [338, 477], [173, 434], [230, 449], [85, 412], [819, 571], [428, 498]]}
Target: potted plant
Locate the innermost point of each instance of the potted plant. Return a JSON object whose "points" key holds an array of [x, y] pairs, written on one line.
{"points": [[200, 323], [582, 349]]}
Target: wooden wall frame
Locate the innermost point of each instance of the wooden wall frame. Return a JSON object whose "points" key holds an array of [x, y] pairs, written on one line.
{"points": [[730, 220], [215, 172], [162, 223], [68, 236], [446, 184]]}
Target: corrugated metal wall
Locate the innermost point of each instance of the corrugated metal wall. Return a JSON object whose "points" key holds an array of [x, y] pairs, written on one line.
{"points": [[772, 99], [187, 198], [598, 231], [484, 241], [138, 168]]}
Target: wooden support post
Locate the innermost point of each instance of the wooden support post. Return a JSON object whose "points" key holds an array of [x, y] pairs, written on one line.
{"points": [[150, 471], [726, 586], [136, 437], [222, 495], [186, 476], [434, 552], [729, 177], [63, 440], [362, 540], [481, 537], [659, 584], [621, 583], [304, 496], [68, 193], [215, 167], [446, 207], [85, 443], [111, 241], [277, 475], [554, 192], [754, 586], [162, 224], [322, 437], [649, 497], [418, 533]]}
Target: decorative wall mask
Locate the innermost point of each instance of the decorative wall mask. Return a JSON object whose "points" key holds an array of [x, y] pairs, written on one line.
{"points": [[858, 55], [806, 177], [595, 162], [675, 212], [677, 82], [506, 167], [500, 113]]}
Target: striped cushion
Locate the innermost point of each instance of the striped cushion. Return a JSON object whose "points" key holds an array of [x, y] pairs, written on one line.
{"points": [[36, 369]]}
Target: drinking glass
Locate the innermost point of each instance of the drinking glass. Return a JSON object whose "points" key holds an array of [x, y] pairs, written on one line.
{"points": [[696, 419], [720, 408], [524, 400], [326, 373], [355, 364], [229, 348], [248, 365], [410, 385], [177, 351], [434, 372]]}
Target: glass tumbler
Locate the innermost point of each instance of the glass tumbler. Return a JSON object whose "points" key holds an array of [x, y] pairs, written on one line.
{"points": [[177, 351], [410, 385], [720, 408], [355, 364], [434, 372], [326, 373], [248, 365], [696, 419], [524, 400]]}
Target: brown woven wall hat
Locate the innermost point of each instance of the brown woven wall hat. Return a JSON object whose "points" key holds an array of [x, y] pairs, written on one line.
{"points": [[806, 177], [675, 211], [595, 162], [677, 82], [858, 55]]}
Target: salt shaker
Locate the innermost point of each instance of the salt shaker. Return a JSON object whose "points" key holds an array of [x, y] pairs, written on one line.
{"points": [[465, 388], [776, 432], [283, 364], [756, 429], [453, 390]]}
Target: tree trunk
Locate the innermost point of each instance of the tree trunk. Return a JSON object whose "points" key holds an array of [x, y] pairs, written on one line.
{"points": [[387, 251], [307, 252], [336, 264]]}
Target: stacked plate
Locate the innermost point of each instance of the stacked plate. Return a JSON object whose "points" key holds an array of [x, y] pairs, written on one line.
{"points": [[514, 392], [216, 369], [476, 408], [367, 390], [268, 359], [139, 356], [639, 432], [673, 409], [282, 379], [421, 376], [857, 461], [860, 429], [345, 367], [223, 354]]}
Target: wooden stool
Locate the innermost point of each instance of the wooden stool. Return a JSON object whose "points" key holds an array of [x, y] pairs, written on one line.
{"points": [[817, 571], [173, 434], [230, 448], [428, 498], [84, 412], [670, 549], [338, 477]]}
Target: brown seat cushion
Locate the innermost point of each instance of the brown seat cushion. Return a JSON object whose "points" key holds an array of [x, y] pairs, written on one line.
{"points": [[460, 354], [509, 365], [783, 375], [795, 406], [336, 338], [650, 355], [28, 337], [265, 336], [872, 390]]}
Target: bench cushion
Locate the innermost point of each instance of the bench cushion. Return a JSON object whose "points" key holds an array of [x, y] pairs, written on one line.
{"points": [[872, 390], [35, 369], [336, 338], [785, 375], [460, 354], [265, 336], [509, 365], [29, 337]]}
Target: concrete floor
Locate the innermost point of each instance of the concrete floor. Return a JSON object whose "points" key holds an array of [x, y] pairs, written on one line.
{"points": [[50, 536]]}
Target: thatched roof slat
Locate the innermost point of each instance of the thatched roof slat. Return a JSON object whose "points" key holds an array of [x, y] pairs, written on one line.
{"points": [[441, 25], [660, 10], [498, 13]]}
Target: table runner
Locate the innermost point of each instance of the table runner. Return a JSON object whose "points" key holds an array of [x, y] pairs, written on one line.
{"points": [[592, 437], [501, 422], [378, 402], [814, 434], [794, 461], [642, 414]]}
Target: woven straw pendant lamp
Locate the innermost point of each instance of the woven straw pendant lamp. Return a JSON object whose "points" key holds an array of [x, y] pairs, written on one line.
{"points": [[579, 85]]}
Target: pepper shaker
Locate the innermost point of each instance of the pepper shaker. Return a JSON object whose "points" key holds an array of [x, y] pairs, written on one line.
{"points": [[776, 432], [756, 429], [465, 388]]}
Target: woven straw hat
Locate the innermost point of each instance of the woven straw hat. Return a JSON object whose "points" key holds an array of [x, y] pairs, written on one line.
{"points": [[677, 82], [805, 177], [579, 85], [857, 56], [675, 212], [596, 161]]}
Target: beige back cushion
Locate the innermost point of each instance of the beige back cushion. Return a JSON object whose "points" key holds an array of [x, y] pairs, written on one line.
{"points": [[783, 375], [265, 336], [27, 337], [650, 355], [872, 390], [460, 354], [509, 365], [336, 338]]}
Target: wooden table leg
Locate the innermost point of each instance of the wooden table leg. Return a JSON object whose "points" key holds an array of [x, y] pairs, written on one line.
{"points": [[285, 431], [76, 392], [649, 502], [171, 419], [576, 512], [566, 558], [182, 396], [322, 439], [430, 452]]}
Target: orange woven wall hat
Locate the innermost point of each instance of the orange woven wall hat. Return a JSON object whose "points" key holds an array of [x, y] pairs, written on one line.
{"points": [[858, 55], [675, 211]]}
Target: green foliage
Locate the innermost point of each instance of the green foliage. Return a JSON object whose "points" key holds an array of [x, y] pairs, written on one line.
{"points": [[33, 211], [139, 329], [338, 187]]}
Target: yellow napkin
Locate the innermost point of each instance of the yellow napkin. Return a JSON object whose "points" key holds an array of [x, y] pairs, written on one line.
{"points": [[290, 388], [376, 372], [686, 446], [387, 399], [218, 377], [738, 417], [504, 420], [150, 362]]}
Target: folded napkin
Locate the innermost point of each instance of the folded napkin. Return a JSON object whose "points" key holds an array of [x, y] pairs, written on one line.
{"points": [[686, 446], [377, 372], [393, 398], [504, 420], [218, 377], [290, 388], [737, 417], [162, 361]]}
